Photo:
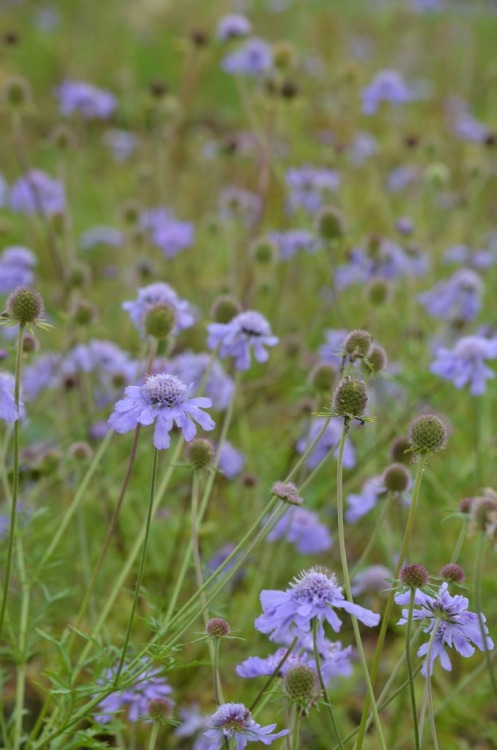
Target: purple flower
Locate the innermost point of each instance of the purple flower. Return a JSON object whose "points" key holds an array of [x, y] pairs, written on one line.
{"points": [[401, 177], [16, 264], [332, 351], [163, 399], [328, 442], [37, 192], [233, 720], [310, 186], [235, 203], [231, 461], [44, 372], [386, 86], [253, 58], [245, 332], [474, 258], [101, 235], [455, 626], [371, 579], [121, 143], [314, 594], [359, 504], [457, 298], [91, 102], [289, 243], [158, 293], [302, 528], [191, 368], [167, 232], [465, 363], [254, 666], [134, 699], [8, 409], [233, 26]]}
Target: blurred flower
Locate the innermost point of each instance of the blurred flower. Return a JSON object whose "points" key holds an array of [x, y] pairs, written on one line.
{"points": [[302, 528], [359, 504], [332, 351], [465, 363], [309, 187], [371, 579], [328, 442], [254, 666], [16, 268], [8, 408], [231, 461], [163, 399], [246, 331], [236, 203], [134, 699], [155, 294], [457, 298], [292, 241], [252, 58], [37, 192], [167, 232], [473, 258], [233, 720], [386, 86], [91, 102], [101, 235], [363, 146], [233, 26], [121, 143], [400, 177], [191, 368]]}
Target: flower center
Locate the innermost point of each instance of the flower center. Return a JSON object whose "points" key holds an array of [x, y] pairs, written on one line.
{"points": [[252, 324], [315, 584], [164, 389], [233, 717]]}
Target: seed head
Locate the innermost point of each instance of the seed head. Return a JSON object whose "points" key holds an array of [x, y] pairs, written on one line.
{"points": [[378, 291], [264, 251], [200, 453], [131, 212], [452, 572], [400, 450], [322, 377], [415, 576], [377, 359], [396, 478], [17, 92], [160, 709], [217, 627], [428, 434], [358, 344], [288, 89], [160, 321], [351, 398], [84, 312], [225, 308], [81, 451], [79, 276], [330, 223], [24, 305], [301, 684], [287, 492]]}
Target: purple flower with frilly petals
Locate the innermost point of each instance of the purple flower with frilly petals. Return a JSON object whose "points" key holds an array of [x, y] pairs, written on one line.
{"points": [[8, 408], [328, 442], [165, 400], [245, 332], [191, 367], [16, 268], [386, 86], [465, 363], [158, 293], [234, 721], [302, 528], [37, 192], [455, 626], [233, 26], [359, 504], [314, 594], [253, 58], [167, 232], [457, 298], [91, 102], [134, 699]]}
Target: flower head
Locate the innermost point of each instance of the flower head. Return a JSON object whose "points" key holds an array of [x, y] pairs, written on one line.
{"points": [[302, 528], [37, 192], [245, 332], [253, 58], [167, 232], [134, 699], [233, 720], [233, 26], [156, 294], [163, 399], [465, 363], [327, 442], [91, 102], [386, 86], [456, 298]]}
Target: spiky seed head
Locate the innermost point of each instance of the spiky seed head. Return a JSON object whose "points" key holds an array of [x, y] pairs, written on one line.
{"points": [[25, 305], [351, 398], [358, 344], [301, 685], [81, 451], [199, 37], [29, 343], [415, 576], [330, 223], [160, 709], [284, 55], [396, 478], [322, 377], [377, 359], [225, 308], [400, 450], [264, 251], [200, 453], [17, 92], [217, 627], [287, 492], [453, 573], [84, 312], [428, 433], [378, 291], [160, 321]]}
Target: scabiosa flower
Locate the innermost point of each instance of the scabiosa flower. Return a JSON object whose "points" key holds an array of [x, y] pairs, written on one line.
{"points": [[291, 242], [91, 102], [231, 461], [121, 143], [314, 594], [457, 298], [371, 580], [302, 528], [37, 192], [328, 442], [455, 626], [163, 399], [233, 720], [233, 26], [190, 368], [8, 409], [101, 235], [465, 363], [167, 232], [359, 504], [155, 294], [386, 86], [255, 666], [246, 331], [253, 58], [134, 699], [16, 268], [310, 187]]}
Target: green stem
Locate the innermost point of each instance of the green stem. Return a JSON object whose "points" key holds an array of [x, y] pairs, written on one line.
{"points": [[346, 580], [142, 567], [409, 670], [324, 692], [23, 632], [273, 676], [386, 616], [428, 699], [296, 729], [480, 554], [15, 481], [153, 735], [218, 690]]}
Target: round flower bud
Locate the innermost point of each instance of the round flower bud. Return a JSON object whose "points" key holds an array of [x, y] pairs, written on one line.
{"points": [[428, 434], [217, 627], [453, 573], [400, 450], [225, 308], [160, 321], [301, 684], [17, 92], [84, 312], [358, 344], [322, 377], [10, 38], [351, 398], [160, 709], [199, 37], [29, 343], [79, 276], [158, 89], [437, 174], [377, 359], [200, 453], [264, 251], [81, 451], [25, 305], [329, 223], [62, 137], [287, 492], [415, 576], [249, 480], [378, 291], [288, 90], [284, 55], [396, 478]]}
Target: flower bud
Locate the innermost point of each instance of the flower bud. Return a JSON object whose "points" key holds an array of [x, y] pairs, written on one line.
{"points": [[24, 305], [428, 434], [84, 312], [377, 359], [322, 377], [453, 573], [200, 453], [81, 451], [351, 398], [378, 291], [329, 223], [264, 251], [358, 344], [301, 685], [29, 343], [396, 478], [160, 709], [287, 492], [17, 92], [400, 450], [415, 576], [284, 55], [225, 308], [217, 627], [160, 321]]}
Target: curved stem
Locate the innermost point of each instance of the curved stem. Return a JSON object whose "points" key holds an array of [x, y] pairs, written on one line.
{"points": [[324, 692], [410, 672]]}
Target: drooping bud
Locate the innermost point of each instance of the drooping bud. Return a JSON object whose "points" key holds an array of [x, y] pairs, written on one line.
{"points": [[287, 492]]}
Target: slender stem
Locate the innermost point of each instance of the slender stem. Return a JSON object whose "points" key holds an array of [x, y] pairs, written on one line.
{"points": [[196, 550], [372, 538], [346, 580], [410, 672], [326, 697], [218, 690], [480, 554], [15, 481], [296, 729], [273, 676], [428, 700], [386, 616], [153, 735], [23, 632], [142, 567]]}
